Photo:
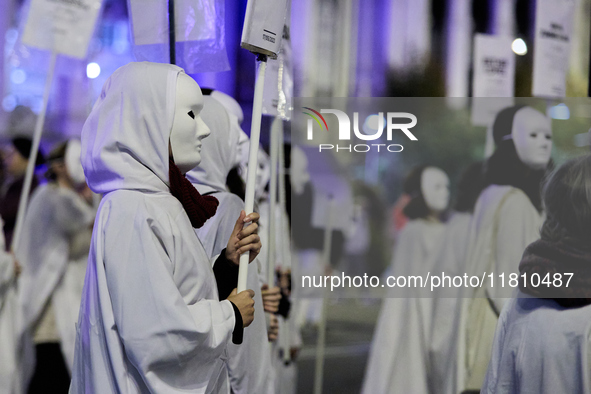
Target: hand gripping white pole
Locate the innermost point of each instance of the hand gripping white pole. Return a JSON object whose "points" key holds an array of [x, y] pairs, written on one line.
{"points": [[255, 136]]}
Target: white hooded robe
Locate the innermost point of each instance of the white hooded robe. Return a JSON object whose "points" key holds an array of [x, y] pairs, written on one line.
{"points": [[12, 378], [398, 355], [249, 364], [450, 260], [150, 319], [518, 224], [53, 252]]}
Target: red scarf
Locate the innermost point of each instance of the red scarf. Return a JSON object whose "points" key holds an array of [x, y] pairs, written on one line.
{"points": [[545, 257], [199, 208]]}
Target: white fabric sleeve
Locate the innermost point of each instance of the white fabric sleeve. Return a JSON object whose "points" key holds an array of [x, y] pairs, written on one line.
{"points": [[167, 338]]}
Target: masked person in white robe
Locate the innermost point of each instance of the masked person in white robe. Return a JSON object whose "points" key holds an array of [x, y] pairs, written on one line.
{"points": [[12, 377], [541, 344], [447, 301], [155, 317], [53, 251], [507, 218], [218, 157], [398, 356]]}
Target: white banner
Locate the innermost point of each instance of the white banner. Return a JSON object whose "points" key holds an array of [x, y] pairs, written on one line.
{"points": [[278, 91], [494, 77], [194, 21], [554, 28], [199, 27], [263, 26], [61, 26]]}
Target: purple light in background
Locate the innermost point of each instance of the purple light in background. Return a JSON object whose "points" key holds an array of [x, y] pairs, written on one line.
{"points": [[9, 103], [18, 76], [37, 105], [93, 70], [11, 36]]}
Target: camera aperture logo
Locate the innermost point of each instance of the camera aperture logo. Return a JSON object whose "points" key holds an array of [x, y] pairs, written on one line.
{"points": [[373, 129]]}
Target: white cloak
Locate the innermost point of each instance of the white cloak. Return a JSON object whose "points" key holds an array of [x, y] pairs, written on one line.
{"points": [[450, 260], [540, 347], [518, 224], [398, 356], [53, 252], [248, 364], [150, 319], [12, 378]]}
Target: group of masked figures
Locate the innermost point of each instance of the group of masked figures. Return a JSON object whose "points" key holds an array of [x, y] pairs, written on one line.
{"points": [[125, 276], [513, 216], [134, 292]]}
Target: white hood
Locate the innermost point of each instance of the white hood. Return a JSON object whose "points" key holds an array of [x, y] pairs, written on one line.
{"points": [[125, 138], [218, 151]]}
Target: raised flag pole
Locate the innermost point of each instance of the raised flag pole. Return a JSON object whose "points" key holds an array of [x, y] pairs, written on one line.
{"points": [[255, 137], [261, 35], [321, 343], [24, 199]]}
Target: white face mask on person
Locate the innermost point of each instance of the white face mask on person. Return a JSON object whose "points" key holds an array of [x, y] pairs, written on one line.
{"points": [[435, 189], [188, 129], [532, 136]]}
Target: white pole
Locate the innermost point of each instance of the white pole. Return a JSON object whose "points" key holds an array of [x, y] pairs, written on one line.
{"points": [[255, 136], [343, 74], [321, 344], [273, 203], [24, 199]]}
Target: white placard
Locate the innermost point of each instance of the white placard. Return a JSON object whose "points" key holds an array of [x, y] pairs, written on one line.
{"points": [[278, 92], [61, 26], [263, 26], [494, 77], [554, 27], [494, 66], [194, 21]]}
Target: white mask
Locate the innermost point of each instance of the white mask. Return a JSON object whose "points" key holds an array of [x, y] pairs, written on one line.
{"points": [[72, 161], [263, 174], [435, 189], [188, 129], [532, 136], [243, 144]]}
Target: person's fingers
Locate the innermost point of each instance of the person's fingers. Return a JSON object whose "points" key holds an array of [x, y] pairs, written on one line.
{"points": [[250, 293], [251, 239], [252, 217], [266, 290], [239, 223], [234, 292], [248, 230], [253, 247], [271, 297]]}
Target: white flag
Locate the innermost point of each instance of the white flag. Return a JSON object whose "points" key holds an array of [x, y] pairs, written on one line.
{"points": [[554, 28], [61, 26]]}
